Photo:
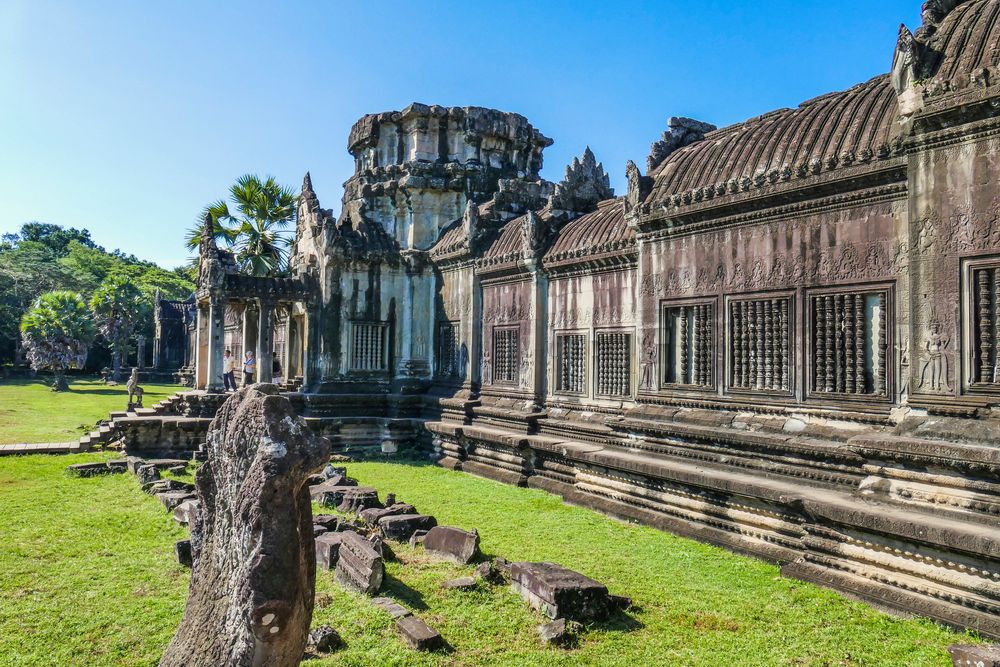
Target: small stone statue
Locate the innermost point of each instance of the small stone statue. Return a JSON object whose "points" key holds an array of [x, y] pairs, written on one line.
{"points": [[134, 390], [936, 361]]}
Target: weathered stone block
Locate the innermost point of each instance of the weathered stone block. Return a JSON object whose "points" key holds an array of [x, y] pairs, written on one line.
{"points": [[359, 498], [417, 538], [328, 550], [371, 515], [391, 607], [325, 639], [965, 655], [462, 583], [400, 527], [557, 633], [93, 469], [558, 592], [329, 494], [418, 635], [461, 546], [359, 566], [147, 474], [384, 550], [172, 499], [182, 552], [186, 512]]}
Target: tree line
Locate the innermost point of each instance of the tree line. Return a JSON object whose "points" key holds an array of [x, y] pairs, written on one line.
{"points": [[69, 303]]}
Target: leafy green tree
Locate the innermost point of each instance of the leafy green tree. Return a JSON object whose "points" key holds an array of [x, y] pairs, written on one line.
{"points": [[119, 307], [254, 225], [53, 236], [57, 332]]}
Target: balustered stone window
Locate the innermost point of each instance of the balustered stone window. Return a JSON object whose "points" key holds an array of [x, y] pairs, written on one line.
{"points": [[849, 342], [689, 344], [447, 353], [984, 325], [614, 364], [506, 355], [368, 346], [759, 344], [571, 363]]}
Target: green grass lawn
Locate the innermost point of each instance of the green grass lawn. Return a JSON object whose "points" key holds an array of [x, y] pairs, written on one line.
{"points": [[31, 412], [87, 578]]}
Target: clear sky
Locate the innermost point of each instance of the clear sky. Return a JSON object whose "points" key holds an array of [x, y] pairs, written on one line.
{"points": [[126, 118]]}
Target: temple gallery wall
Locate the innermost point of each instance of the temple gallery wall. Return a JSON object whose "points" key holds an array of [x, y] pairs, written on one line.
{"points": [[782, 339]]}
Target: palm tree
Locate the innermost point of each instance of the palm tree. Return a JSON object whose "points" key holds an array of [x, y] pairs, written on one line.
{"points": [[57, 332], [261, 211], [118, 306]]}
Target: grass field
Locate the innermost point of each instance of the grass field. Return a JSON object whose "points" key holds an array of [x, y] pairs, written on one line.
{"points": [[87, 578], [31, 412]]}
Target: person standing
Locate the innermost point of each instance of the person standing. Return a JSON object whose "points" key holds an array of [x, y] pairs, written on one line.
{"points": [[229, 371], [249, 368]]}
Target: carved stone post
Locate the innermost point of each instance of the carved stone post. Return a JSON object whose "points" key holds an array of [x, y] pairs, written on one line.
{"points": [[286, 362], [310, 345], [216, 344], [250, 600], [265, 342]]}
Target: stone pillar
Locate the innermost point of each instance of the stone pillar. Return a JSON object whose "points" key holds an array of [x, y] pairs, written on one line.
{"points": [[265, 341], [156, 353], [286, 362], [539, 326], [310, 348], [406, 330], [140, 352], [216, 344], [200, 342]]}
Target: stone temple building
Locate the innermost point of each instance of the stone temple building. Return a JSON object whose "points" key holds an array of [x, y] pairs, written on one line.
{"points": [[783, 339]]}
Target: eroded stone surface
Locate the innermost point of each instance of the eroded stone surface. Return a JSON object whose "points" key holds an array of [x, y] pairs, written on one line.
{"points": [[327, 550], [391, 607], [965, 655], [372, 515], [358, 499], [251, 594]]}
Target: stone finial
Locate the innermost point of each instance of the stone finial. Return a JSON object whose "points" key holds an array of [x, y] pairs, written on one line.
{"points": [[584, 185], [532, 233], [680, 132], [250, 600], [639, 187]]}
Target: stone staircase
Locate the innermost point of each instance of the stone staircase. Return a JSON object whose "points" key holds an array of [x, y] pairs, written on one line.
{"points": [[109, 430]]}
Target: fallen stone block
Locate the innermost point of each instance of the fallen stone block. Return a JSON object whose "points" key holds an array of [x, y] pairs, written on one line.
{"points": [[399, 527], [331, 495], [371, 515], [462, 583], [359, 565], [171, 499], [622, 602], [459, 545], [164, 485], [358, 498], [319, 530], [559, 592], [94, 469], [186, 512], [418, 635], [391, 607], [328, 550], [325, 639], [177, 470], [147, 474], [967, 655], [328, 521], [132, 463], [182, 552]]}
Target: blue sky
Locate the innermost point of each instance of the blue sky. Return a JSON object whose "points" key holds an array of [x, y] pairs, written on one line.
{"points": [[127, 118]]}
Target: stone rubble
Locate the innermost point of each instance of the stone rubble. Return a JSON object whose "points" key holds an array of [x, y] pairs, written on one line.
{"points": [[399, 527], [325, 639], [359, 566], [418, 635], [559, 592]]}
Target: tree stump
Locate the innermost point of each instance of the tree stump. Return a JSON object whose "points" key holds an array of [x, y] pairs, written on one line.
{"points": [[250, 601]]}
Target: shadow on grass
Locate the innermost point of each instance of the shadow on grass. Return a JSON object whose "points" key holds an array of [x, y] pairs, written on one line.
{"points": [[403, 593]]}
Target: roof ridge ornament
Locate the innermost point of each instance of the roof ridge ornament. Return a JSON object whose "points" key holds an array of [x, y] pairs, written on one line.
{"points": [[680, 132]]}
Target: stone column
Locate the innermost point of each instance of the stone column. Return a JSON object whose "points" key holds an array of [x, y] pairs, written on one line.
{"points": [[286, 362], [216, 344], [199, 361], [156, 352], [539, 325], [310, 348], [140, 352], [265, 342]]}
